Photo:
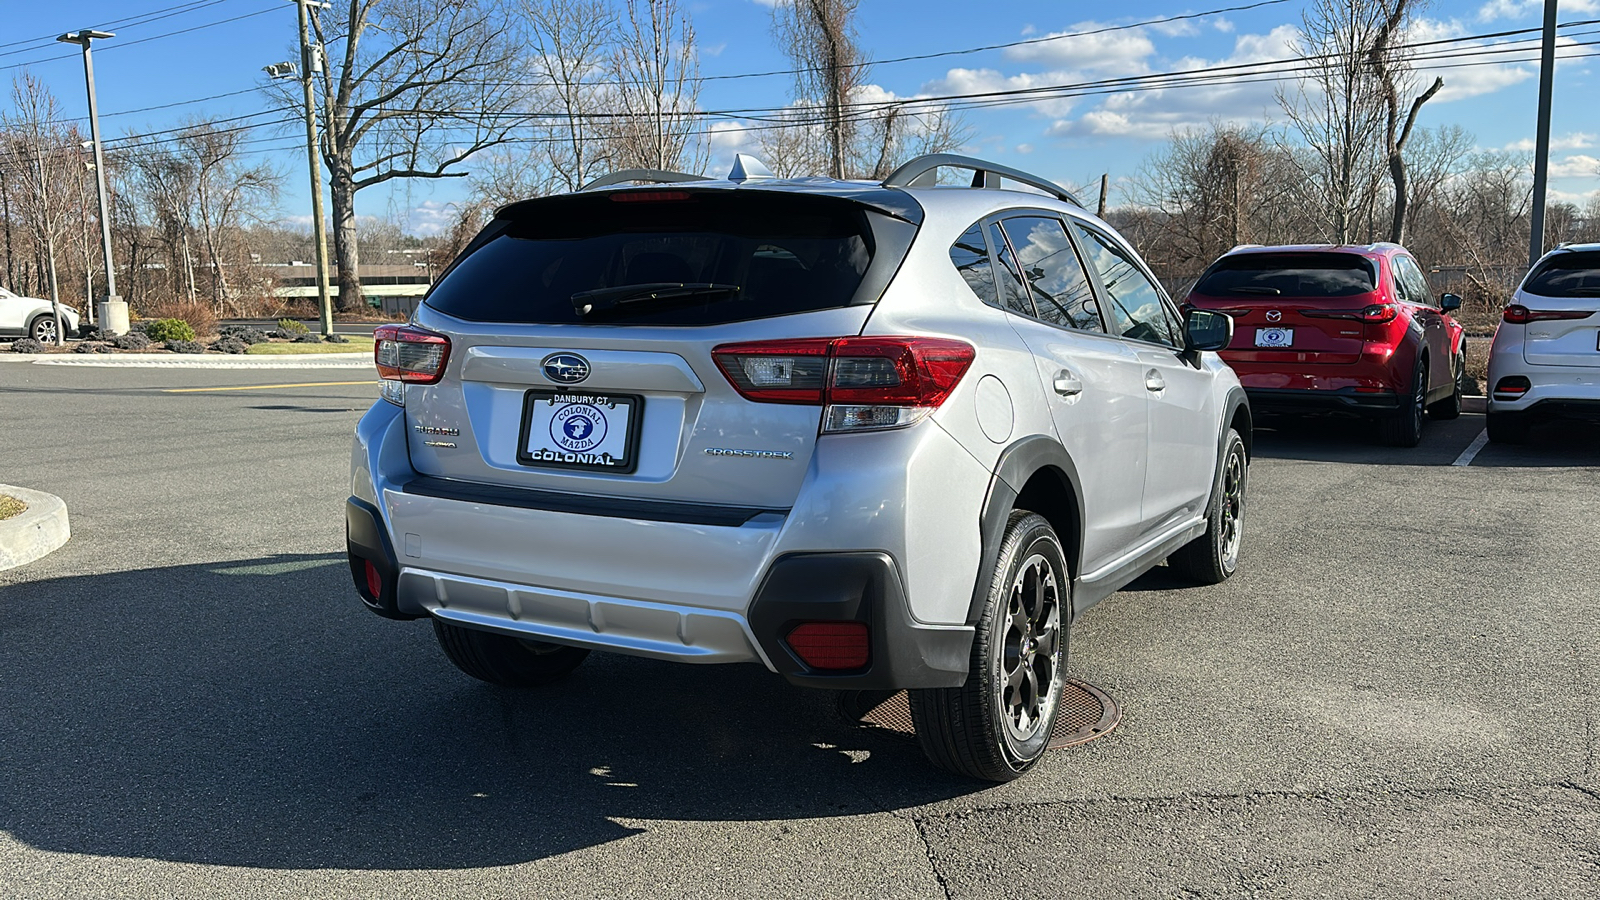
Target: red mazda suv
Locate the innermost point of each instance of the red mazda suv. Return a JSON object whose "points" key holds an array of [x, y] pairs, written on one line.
{"points": [[1344, 329]]}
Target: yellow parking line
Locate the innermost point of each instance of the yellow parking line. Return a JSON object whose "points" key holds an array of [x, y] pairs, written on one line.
{"points": [[263, 387]]}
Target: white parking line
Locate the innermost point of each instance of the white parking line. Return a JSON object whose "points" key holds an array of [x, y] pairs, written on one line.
{"points": [[1465, 459]]}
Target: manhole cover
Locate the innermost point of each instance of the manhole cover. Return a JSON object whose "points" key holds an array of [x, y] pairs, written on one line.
{"points": [[1086, 713]]}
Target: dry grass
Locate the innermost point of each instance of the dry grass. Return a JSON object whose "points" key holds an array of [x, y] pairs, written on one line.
{"points": [[11, 507], [200, 316]]}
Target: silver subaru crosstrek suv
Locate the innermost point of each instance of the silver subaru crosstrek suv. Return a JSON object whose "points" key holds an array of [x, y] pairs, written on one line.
{"points": [[867, 435]]}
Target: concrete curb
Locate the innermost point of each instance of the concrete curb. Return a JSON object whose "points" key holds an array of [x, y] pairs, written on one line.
{"points": [[1474, 404], [198, 361], [39, 530]]}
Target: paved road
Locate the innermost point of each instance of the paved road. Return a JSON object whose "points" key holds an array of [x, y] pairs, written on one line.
{"points": [[1395, 697]]}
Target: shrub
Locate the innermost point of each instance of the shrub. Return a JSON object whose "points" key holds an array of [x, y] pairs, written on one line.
{"points": [[26, 345], [133, 340], [291, 329], [231, 344], [86, 347], [244, 333], [307, 339], [169, 330], [200, 316], [182, 346], [337, 339]]}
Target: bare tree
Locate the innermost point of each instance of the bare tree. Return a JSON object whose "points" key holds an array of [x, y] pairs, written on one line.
{"points": [[657, 73], [1339, 111], [413, 89], [570, 44], [819, 36], [1392, 69], [41, 155], [228, 191]]}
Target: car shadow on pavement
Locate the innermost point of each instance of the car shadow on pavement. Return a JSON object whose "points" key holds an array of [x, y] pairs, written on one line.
{"points": [[253, 714], [1549, 445], [1341, 439]]}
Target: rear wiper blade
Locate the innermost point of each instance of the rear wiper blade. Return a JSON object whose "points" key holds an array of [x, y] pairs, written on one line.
{"points": [[602, 299], [1253, 289]]}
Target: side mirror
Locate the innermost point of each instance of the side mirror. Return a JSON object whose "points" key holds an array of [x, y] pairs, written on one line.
{"points": [[1206, 330], [1449, 302]]}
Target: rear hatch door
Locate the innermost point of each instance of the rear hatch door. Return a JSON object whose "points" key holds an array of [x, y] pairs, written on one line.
{"points": [[1293, 307], [1563, 299], [582, 332]]}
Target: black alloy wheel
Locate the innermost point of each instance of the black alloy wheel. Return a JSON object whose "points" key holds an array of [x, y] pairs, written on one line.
{"points": [[1404, 427]]}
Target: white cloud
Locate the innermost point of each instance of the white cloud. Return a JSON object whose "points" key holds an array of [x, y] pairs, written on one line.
{"points": [[1469, 75], [431, 217], [986, 81], [1577, 140], [1577, 166], [1576, 198], [1516, 9], [1111, 52], [1179, 28], [1024, 149]]}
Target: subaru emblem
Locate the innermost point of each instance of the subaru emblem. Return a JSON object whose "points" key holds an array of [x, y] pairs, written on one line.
{"points": [[566, 368]]}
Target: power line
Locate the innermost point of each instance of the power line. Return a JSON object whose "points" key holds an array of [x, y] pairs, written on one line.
{"points": [[155, 37], [44, 41]]}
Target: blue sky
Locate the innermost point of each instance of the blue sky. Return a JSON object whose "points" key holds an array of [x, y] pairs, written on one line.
{"points": [[1072, 141]]}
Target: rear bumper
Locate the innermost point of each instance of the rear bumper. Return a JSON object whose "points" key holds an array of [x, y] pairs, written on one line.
{"points": [[1348, 400], [1551, 409]]}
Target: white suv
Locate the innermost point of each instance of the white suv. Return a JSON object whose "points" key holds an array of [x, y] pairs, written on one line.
{"points": [[870, 436], [1545, 362]]}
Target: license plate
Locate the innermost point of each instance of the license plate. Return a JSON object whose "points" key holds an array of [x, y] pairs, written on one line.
{"points": [[1274, 337], [580, 431]]}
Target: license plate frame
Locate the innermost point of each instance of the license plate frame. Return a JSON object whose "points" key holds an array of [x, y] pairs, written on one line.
{"points": [[1268, 338], [543, 410]]}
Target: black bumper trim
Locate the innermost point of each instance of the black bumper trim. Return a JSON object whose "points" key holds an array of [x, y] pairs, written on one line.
{"points": [[585, 505], [855, 587], [1556, 408], [366, 541], [1302, 400]]}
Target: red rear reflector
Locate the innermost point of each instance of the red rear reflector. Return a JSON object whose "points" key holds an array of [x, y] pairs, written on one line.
{"points": [[374, 580], [1512, 386], [831, 645], [410, 354], [1517, 314], [649, 196]]}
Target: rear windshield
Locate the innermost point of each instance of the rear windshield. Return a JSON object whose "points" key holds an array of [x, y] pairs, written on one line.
{"points": [[1299, 275], [739, 255], [1566, 275]]}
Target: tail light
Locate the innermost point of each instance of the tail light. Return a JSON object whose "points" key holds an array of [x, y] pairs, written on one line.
{"points": [[864, 383], [409, 354], [1517, 314], [1380, 312], [1511, 387], [831, 645]]}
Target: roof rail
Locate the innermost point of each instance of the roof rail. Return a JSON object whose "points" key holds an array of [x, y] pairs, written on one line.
{"points": [[922, 172], [651, 176]]}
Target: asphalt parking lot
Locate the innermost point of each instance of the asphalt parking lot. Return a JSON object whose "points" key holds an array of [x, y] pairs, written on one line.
{"points": [[1394, 697]]}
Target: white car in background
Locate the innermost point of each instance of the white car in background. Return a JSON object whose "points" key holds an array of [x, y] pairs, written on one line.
{"points": [[32, 317], [1545, 363]]}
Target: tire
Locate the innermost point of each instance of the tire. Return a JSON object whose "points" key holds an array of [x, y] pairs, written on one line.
{"points": [[504, 660], [1404, 427], [1507, 428], [997, 725], [1212, 557], [1450, 407], [43, 329]]}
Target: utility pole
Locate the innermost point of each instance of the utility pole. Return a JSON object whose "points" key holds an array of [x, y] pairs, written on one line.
{"points": [[113, 311], [1541, 152], [310, 66]]}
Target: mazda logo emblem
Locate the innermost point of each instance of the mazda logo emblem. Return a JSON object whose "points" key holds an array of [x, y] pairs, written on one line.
{"points": [[566, 368], [1274, 315]]}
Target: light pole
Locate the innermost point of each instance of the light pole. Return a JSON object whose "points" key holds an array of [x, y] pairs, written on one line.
{"points": [[310, 65], [113, 312]]}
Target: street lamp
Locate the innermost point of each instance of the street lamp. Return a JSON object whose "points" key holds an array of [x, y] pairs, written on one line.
{"points": [[113, 318]]}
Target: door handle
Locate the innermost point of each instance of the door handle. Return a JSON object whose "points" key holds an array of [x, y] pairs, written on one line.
{"points": [[1153, 381], [1067, 384]]}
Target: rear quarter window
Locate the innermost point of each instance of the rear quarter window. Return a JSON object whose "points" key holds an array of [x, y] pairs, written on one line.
{"points": [[785, 253], [1303, 275]]}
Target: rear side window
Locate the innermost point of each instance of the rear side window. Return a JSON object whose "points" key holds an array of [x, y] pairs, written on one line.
{"points": [[738, 256], [1301, 275], [1054, 275], [970, 255], [1566, 275], [1410, 278], [1013, 295]]}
